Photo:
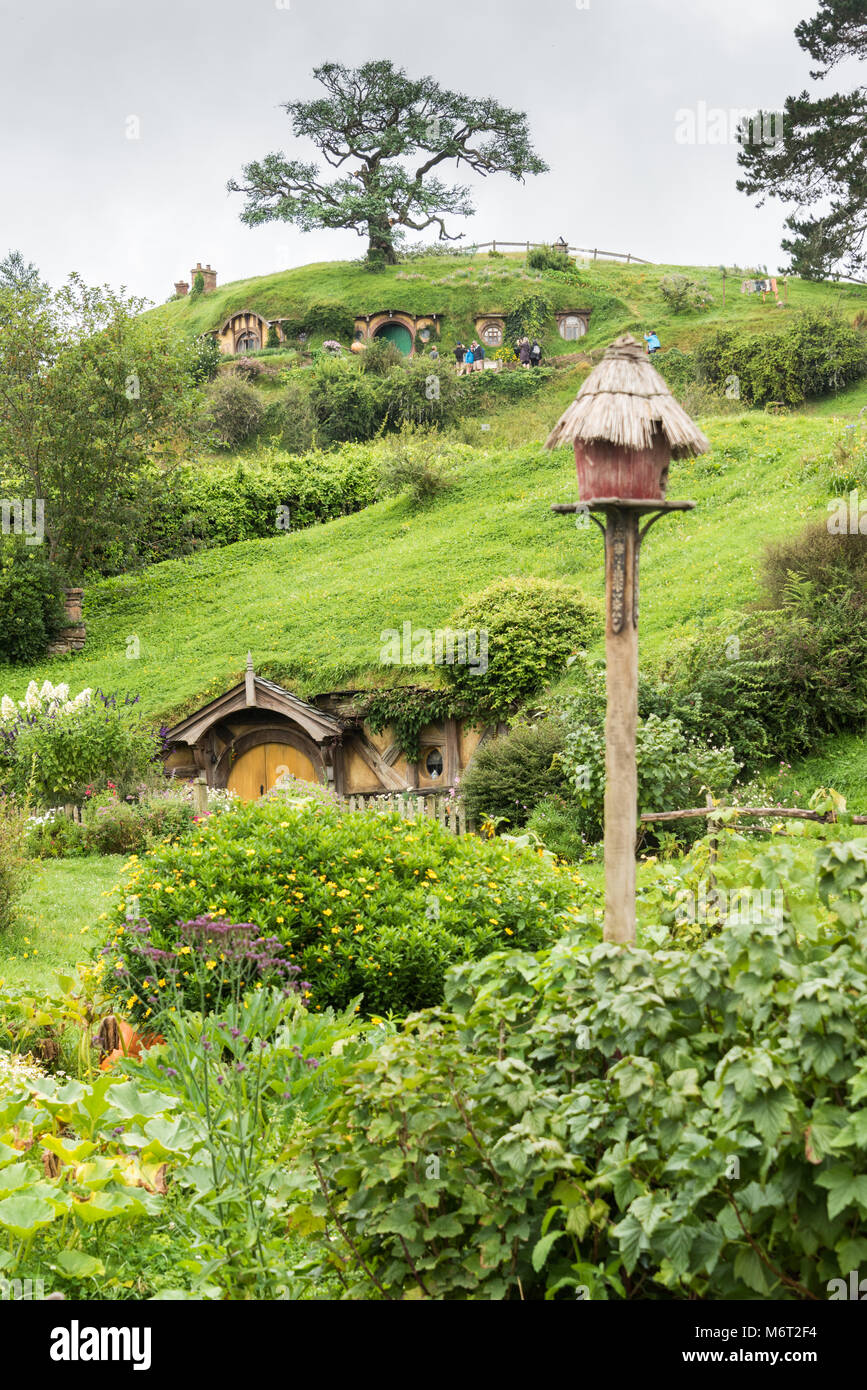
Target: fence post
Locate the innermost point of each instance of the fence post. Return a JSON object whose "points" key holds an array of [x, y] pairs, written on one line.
{"points": [[200, 795], [493, 246]]}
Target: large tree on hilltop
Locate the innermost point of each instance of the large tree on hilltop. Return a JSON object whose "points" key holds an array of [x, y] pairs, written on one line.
{"points": [[821, 158], [387, 133]]}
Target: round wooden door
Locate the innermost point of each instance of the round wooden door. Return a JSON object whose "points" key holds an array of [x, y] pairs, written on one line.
{"points": [[396, 333], [256, 771]]}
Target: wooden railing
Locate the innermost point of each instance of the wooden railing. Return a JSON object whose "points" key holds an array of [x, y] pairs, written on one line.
{"points": [[593, 252], [437, 806]]}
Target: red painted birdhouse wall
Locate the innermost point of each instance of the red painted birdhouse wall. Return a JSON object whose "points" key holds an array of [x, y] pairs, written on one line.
{"points": [[607, 470]]}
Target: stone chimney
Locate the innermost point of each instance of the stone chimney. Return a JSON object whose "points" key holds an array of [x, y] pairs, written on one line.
{"points": [[181, 288], [208, 275]]}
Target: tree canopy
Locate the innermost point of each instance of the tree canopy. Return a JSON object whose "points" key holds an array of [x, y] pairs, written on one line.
{"points": [[821, 160], [388, 134]]}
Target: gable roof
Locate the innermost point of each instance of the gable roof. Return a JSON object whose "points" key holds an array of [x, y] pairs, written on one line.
{"points": [[266, 695]]}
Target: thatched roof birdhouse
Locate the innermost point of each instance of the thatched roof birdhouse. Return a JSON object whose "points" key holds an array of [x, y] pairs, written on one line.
{"points": [[626, 426]]}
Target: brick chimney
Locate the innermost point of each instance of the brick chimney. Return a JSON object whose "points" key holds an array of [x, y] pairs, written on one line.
{"points": [[208, 275], [181, 288]]}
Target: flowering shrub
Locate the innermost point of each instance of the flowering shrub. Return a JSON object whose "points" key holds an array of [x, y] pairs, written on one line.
{"points": [[365, 903], [53, 747]]}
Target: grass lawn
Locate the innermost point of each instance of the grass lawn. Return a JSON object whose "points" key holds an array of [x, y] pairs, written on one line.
{"points": [[311, 605], [57, 913]]}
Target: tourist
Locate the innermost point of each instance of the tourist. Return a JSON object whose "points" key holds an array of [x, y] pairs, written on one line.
{"points": [[478, 357], [535, 353], [469, 359], [434, 354], [459, 356], [653, 343], [524, 351]]}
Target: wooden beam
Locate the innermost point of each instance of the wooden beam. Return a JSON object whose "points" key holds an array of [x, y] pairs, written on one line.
{"points": [[387, 775]]}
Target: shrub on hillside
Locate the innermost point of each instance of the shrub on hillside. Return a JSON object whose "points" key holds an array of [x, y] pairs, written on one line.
{"points": [[347, 403], [508, 776], [31, 600], [617, 1124], [549, 258], [424, 393], [417, 465], [365, 903], [380, 356], [205, 359], [528, 314], [817, 352], [682, 294], [795, 672], [233, 411], [530, 628]]}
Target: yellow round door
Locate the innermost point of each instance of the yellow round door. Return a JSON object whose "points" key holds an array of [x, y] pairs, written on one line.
{"points": [[256, 771]]}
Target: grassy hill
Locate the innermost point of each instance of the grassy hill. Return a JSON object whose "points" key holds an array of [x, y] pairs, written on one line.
{"points": [[622, 297], [311, 605]]}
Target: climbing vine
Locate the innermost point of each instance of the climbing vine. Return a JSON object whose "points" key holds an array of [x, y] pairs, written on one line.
{"points": [[407, 709]]}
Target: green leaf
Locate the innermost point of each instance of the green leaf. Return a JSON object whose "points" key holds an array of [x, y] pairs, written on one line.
{"points": [[749, 1268], [23, 1215], [542, 1248], [844, 1189], [79, 1265]]}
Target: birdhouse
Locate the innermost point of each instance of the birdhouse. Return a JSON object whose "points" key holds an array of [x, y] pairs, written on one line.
{"points": [[626, 426]]}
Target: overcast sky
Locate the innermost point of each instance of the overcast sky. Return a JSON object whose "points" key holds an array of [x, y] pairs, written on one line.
{"points": [[602, 86]]}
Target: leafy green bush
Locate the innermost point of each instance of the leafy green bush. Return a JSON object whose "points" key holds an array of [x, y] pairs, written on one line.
{"points": [[508, 776], [549, 258], [31, 600], [615, 1124], [673, 770], [205, 358], [417, 465], [528, 314], [347, 404], [817, 352], [560, 825], [208, 508], [682, 294], [233, 411], [793, 674], [532, 626], [364, 903], [380, 357]]}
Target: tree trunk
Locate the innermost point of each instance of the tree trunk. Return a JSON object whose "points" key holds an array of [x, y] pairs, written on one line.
{"points": [[380, 243]]}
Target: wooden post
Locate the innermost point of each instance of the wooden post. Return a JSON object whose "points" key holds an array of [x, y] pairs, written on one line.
{"points": [[200, 795], [621, 687], [724, 287], [714, 844]]}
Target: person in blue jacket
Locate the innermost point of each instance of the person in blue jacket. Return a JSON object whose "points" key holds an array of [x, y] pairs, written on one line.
{"points": [[469, 359], [653, 343]]}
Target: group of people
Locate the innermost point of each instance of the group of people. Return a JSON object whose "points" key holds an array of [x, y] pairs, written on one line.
{"points": [[472, 358], [469, 359], [529, 354]]}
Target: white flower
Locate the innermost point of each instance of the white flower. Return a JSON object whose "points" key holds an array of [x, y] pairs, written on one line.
{"points": [[8, 708]]}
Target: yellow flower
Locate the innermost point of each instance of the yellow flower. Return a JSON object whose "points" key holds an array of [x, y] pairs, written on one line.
{"points": [[210, 965], [508, 931], [335, 931], [184, 951], [280, 920], [327, 912]]}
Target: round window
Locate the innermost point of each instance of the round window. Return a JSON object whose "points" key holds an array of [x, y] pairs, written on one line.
{"points": [[434, 763], [572, 327], [424, 334], [493, 334]]}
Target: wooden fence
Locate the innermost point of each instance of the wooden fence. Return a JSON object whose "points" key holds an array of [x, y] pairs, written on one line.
{"points": [[595, 252], [415, 806]]}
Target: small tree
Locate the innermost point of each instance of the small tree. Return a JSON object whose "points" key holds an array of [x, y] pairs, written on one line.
{"points": [[91, 395], [198, 287], [378, 118], [273, 336]]}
